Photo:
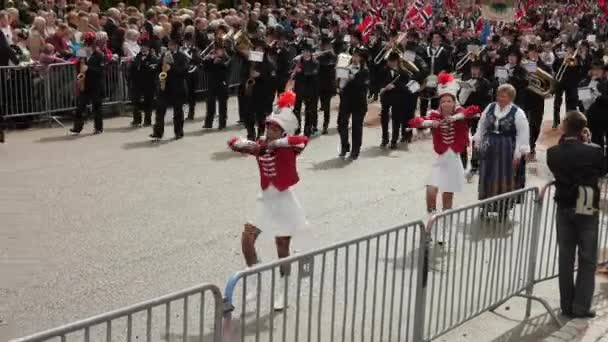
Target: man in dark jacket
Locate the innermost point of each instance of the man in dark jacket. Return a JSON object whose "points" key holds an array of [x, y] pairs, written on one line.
{"points": [[172, 91], [93, 68], [595, 107], [144, 75], [327, 79], [577, 167], [306, 75], [217, 66]]}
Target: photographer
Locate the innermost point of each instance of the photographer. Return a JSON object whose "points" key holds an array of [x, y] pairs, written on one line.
{"points": [[577, 167]]}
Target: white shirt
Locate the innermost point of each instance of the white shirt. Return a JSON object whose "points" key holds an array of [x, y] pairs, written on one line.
{"points": [[130, 48], [522, 138]]}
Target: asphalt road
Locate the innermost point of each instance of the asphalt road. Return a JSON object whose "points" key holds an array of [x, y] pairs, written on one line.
{"points": [[94, 223]]}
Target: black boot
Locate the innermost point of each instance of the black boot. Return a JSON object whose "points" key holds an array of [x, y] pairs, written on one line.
{"points": [[190, 114], [2, 138], [148, 120], [344, 150]]}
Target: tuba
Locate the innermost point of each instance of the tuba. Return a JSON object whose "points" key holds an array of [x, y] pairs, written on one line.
{"points": [[541, 83], [242, 42]]}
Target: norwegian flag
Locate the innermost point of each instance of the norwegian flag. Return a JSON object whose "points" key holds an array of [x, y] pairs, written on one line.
{"points": [[424, 17], [366, 27]]}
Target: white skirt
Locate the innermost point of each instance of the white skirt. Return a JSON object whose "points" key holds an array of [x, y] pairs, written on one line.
{"points": [[447, 173], [279, 213]]}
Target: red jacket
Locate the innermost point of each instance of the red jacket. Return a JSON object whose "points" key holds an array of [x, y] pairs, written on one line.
{"points": [[450, 134], [276, 161]]}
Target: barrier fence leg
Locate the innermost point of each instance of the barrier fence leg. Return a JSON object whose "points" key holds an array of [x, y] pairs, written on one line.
{"points": [[423, 269], [47, 100], [538, 208]]}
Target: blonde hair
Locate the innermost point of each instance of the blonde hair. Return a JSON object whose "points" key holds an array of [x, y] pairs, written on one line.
{"points": [[507, 89]]}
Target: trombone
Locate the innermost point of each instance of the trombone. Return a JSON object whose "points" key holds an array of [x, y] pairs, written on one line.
{"points": [[470, 56], [386, 50], [568, 62], [205, 53]]}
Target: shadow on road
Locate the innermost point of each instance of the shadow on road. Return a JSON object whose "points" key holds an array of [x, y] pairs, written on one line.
{"points": [[145, 144], [334, 163], [533, 329], [60, 138], [250, 328], [226, 155]]}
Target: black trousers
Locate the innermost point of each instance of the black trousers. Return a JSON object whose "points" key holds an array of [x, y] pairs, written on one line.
{"points": [[325, 100], [344, 115], [424, 105], [83, 101], [191, 84], [243, 101], [178, 116], [599, 134], [571, 100], [310, 113], [217, 94], [535, 111], [399, 116], [577, 236], [143, 100]]}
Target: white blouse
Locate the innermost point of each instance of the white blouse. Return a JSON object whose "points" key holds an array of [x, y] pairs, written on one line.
{"points": [[130, 48], [522, 138]]}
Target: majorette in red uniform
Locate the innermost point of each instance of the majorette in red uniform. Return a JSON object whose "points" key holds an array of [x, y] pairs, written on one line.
{"points": [[450, 137], [280, 214]]}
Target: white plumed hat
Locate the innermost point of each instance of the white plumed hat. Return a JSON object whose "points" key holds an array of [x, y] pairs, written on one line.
{"points": [[283, 116], [446, 84]]}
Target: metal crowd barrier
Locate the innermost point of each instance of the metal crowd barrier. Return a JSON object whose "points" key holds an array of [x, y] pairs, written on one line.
{"points": [[479, 257], [407, 283], [154, 320], [22, 91], [547, 255], [36, 91], [361, 289]]}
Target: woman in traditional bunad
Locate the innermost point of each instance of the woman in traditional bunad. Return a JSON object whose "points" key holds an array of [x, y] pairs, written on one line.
{"points": [[450, 139], [503, 139], [280, 214]]}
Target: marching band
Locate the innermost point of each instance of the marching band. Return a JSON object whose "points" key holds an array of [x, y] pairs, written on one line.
{"points": [[321, 59]]}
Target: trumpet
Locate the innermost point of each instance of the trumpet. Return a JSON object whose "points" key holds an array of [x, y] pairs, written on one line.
{"points": [[470, 56], [568, 62]]}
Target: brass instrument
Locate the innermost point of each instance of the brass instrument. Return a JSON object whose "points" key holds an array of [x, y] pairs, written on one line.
{"points": [[80, 78], [469, 57], [386, 50], [314, 55], [568, 62], [166, 66], [209, 49], [242, 43], [541, 82]]}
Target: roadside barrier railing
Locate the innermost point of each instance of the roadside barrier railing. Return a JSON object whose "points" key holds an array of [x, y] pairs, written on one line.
{"points": [[364, 289], [35, 90], [479, 257], [152, 320], [414, 282]]}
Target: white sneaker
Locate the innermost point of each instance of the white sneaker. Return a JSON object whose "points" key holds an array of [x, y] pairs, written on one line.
{"points": [[279, 300]]}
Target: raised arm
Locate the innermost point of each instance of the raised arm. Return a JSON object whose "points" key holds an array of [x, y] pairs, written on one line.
{"points": [[242, 145]]}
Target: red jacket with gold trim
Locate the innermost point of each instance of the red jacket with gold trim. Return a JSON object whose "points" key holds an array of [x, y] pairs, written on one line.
{"points": [[276, 160], [450, 132]]}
